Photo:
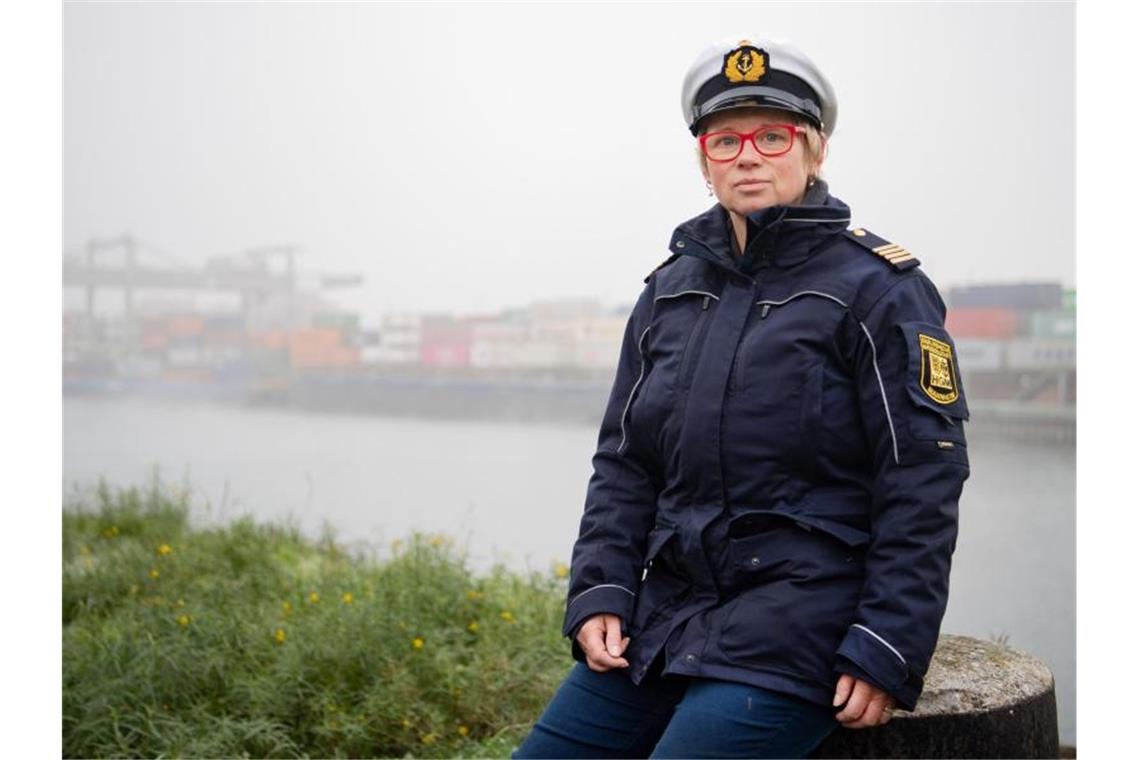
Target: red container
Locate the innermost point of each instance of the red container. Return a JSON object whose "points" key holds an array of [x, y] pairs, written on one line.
{"points": [[445, 354], [982, 322]]}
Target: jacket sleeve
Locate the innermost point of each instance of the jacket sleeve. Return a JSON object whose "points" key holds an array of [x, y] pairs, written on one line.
{"points": [[606, 566], [913, 410]]}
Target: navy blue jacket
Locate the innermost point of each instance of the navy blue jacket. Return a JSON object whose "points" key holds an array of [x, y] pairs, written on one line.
{"points": [[775, 491]]}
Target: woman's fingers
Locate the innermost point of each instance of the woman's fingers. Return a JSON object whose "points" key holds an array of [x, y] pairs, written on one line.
{"points": [[867, 706], [592, 637], [843, 689], [856, 703], [613, 635]]}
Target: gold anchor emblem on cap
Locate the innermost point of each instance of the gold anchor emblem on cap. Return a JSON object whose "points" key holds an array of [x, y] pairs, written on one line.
{"points": [[745, 64]]}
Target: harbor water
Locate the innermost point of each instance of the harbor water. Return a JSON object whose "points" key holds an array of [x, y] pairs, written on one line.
{"points": [[513, 493]]}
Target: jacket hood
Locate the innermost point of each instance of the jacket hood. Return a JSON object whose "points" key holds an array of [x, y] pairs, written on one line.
{"points": [[777, 235]]}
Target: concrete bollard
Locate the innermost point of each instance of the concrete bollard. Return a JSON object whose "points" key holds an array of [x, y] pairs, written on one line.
{"points": [[980, 699]]}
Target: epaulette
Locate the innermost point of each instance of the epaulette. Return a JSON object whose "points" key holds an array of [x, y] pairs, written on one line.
{"points": [[895, 255], [662, 265]]}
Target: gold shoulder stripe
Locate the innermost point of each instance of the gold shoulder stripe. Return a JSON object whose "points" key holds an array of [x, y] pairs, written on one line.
{"points": [[892, 253]]}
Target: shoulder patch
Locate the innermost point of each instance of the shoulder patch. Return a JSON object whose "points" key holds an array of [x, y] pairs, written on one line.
{"points": [[895, 255], [662, 265]]}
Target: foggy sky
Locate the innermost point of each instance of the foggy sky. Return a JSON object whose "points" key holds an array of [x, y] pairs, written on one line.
{"points": [[473, 157]]}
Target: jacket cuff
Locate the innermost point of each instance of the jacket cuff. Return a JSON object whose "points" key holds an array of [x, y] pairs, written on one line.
{"points": [[608, 597], [871, 658]]}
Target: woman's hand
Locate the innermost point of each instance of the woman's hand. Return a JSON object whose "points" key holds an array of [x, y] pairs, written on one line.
{"points": [[601, 640], [866, 705]]}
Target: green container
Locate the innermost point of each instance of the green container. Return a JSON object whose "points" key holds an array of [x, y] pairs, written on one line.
{"points": [[336, 320], [1069, 299], [1053, 324]]}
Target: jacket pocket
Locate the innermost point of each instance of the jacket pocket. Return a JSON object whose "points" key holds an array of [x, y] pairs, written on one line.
{"points": [[773, 545], [658, 538], [677, 335], [811, 419], [662, 587]]}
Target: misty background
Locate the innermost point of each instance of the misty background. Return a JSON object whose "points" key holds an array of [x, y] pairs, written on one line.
{"points": [[468, 159]]}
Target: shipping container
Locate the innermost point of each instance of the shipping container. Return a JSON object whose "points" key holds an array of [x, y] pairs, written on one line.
{"points": [[982, 322], [184, 356], [323, 356], [980, 354], [1052, 324], [1040, 353], [445, 354], [186, 324], [336, 320], [1024, 296]]}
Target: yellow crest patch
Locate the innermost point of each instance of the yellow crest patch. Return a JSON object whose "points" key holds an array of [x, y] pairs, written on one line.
{"points": [[936, 376], [745, 64]]}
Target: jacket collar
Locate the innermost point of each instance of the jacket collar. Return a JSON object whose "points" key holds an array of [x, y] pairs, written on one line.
{"points": [[777, 236]]}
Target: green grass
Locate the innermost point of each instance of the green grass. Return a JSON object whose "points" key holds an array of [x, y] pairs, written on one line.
{"points": [[241, 641]]}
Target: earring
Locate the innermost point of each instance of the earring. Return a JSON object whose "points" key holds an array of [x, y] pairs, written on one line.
{"points": [[709, 186]]}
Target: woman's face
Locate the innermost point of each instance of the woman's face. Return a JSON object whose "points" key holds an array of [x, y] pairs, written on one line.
{"points": [[751, 181]]}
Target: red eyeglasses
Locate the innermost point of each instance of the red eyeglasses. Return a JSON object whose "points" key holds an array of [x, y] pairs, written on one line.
{"points": [[769, 140]]}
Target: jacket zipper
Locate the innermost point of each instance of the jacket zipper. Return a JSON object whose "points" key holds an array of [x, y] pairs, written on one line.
{"points": [[695, 339]]}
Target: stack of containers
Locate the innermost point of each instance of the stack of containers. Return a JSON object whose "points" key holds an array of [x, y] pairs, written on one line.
{"points": [[184, 357], [1018, 327], [320, 347]]}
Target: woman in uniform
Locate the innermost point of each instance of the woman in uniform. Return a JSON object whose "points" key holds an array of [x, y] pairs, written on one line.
{"points": [[765, 549]]}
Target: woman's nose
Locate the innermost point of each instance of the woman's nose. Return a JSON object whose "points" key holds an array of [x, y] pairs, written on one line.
{"points": [[750, 154]]}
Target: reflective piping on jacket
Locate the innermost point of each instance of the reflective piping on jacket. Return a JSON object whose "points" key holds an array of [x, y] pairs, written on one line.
{"points": [[883, 391], [623, 588], [864, 628], [684, 292], [821, 221], [803, 293], [633, 390]]}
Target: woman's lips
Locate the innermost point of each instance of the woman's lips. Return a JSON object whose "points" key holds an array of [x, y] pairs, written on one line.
{"points": [[751, 184]]}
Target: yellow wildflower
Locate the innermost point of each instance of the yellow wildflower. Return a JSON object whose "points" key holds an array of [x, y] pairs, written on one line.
{"points": [[286, 607], [279, 635], [473, 626], [314, 597], [436, 540], [463, 730], [417, 643], [183, 620], [427, 738], [85, 550], [346, 597], [164, 550], [474, 595], [507, 615], [111, 532], [406, 723], [561, 571], [153, 572], [180, 603]]}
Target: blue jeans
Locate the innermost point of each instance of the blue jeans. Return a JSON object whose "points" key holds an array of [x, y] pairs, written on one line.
{"points": [[605, 715]]}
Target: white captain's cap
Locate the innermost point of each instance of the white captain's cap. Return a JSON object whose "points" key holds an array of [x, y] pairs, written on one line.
{"points": [[757, 72]]}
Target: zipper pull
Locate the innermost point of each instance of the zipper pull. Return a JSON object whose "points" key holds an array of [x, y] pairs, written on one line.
{"points": [[705, 305], [764, 311]]}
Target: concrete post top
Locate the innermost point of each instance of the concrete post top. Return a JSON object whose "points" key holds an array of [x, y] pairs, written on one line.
{"points": [[971, 675]]}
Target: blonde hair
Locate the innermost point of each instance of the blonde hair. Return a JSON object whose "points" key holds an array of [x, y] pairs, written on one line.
{"points": [[814, 141]]}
